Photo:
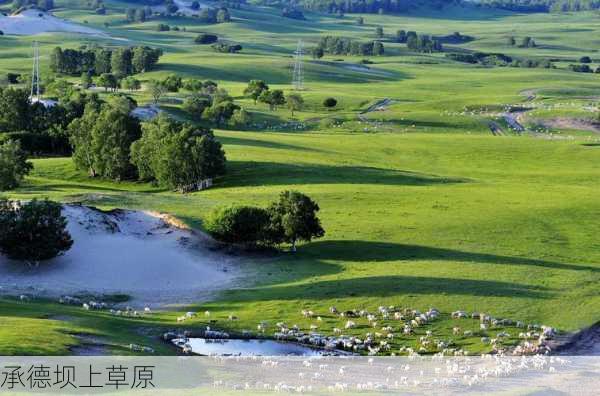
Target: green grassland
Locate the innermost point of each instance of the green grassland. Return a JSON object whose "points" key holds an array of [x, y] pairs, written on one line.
{"points": [[427, 210]]}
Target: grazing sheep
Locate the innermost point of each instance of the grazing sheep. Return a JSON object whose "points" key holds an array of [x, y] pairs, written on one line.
{"points": [[350, 324], [333, 310], [456, 330]]}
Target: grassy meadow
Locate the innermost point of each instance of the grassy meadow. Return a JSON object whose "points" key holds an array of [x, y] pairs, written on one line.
{"points": [[422, 206]]}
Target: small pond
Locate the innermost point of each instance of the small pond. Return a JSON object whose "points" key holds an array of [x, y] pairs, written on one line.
{"points": [[230, 347]]}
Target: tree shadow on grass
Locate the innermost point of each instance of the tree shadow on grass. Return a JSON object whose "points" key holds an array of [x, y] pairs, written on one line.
{"points": [[362, 251], [250, 173], [389, 286], [236, 141]]}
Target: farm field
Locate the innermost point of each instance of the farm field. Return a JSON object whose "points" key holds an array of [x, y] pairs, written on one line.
{"points": [[423, 206]]}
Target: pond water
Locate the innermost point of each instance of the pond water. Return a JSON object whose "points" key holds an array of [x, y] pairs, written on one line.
{"points": [[226, 347]]}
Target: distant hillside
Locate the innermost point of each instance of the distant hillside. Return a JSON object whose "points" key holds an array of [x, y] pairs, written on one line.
{"points": [[361, 6]]}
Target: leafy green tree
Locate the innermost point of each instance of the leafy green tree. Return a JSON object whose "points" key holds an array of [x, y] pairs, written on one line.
{"points": [[176, 154], [378, 48], [121, 62], [86, 80], [173, 83], [255, 88], [206, 38], [242, 225], [379, 32], [220, 113], [511, 41], [223, 15], [401, 36], [272, 98], [14, 110], [102, 140], [294, 218], [13, 165], [109, 81], [317, 53], [295, 102], [144, 58], [102, 61], [33, 231], [131, 84], [157, 89], [196, 104], [240, 118]]}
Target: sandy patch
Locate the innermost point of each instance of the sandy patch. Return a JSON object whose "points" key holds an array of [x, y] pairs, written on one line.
{"points": [[129, 252], [570, 123], [32, 21]]}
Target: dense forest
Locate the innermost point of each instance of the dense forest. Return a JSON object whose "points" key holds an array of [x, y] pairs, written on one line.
{"points": [[542, 5]]}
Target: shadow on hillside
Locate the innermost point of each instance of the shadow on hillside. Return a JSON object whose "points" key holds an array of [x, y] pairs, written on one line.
{"points": [[383, 251], [228, 140], [389, 286], [249, 173]]}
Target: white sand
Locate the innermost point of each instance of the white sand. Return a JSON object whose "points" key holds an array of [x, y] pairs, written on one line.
{"points": [[29, 22], [135, 253]]}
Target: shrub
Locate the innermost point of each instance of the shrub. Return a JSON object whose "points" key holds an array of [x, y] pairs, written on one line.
{"points": [[206, 38], [330, 102], [33, 231], [243, 225]]}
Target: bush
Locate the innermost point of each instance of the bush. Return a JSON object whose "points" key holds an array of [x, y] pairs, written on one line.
{"points": [[585, 59], [243, 225], [13, 165], [330, 102], [206, 38], [33, 231]]}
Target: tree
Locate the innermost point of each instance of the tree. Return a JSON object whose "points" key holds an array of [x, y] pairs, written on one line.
{"points": [[223, 15], [144, 58], [86, 80], [108, 81], [379, 32], [220, 113], [585, 59], [240, 118], [206, 38], [14, 110], [244, 225], [378, 48], [177, 154], [317, 53], [511, 41], [121, 62], [272, 98], [330, 103], [131, 84], [295, 102], [255, 88], [102, 140], [173, 83], [401, 36], [140, 15], [294, 218], [13, 165], [33, 231], [360, 21], [196, 104], [157, 90]]}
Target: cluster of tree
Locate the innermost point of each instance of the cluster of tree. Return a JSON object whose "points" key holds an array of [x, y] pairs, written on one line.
{"points": [[40, 129], [108, 142], [293, 13], [206, 38], [229, 48], [342, 7], [526, 42], [498, 59], [258, 90], [290, 219], [334, 45], [122, 61], [214, 104], [45, 5], [542, 5], [422, 42], [138, 14], [176, 155], [584, 68], [33, 231], [214, 15]]}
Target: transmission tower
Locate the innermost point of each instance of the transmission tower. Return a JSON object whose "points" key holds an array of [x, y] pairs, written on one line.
{"points": [[298, 79], [35, 75]]}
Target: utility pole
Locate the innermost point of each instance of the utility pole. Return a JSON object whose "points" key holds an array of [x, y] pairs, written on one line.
{"points": [[298, 78], [35, 75]]}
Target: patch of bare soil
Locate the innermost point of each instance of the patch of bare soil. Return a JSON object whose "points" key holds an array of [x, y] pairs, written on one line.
{"points": [[571, 123], [585, 342]]}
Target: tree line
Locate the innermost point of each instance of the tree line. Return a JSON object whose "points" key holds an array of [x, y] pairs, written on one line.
{"points": [[334, 45], [122, 61]]}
